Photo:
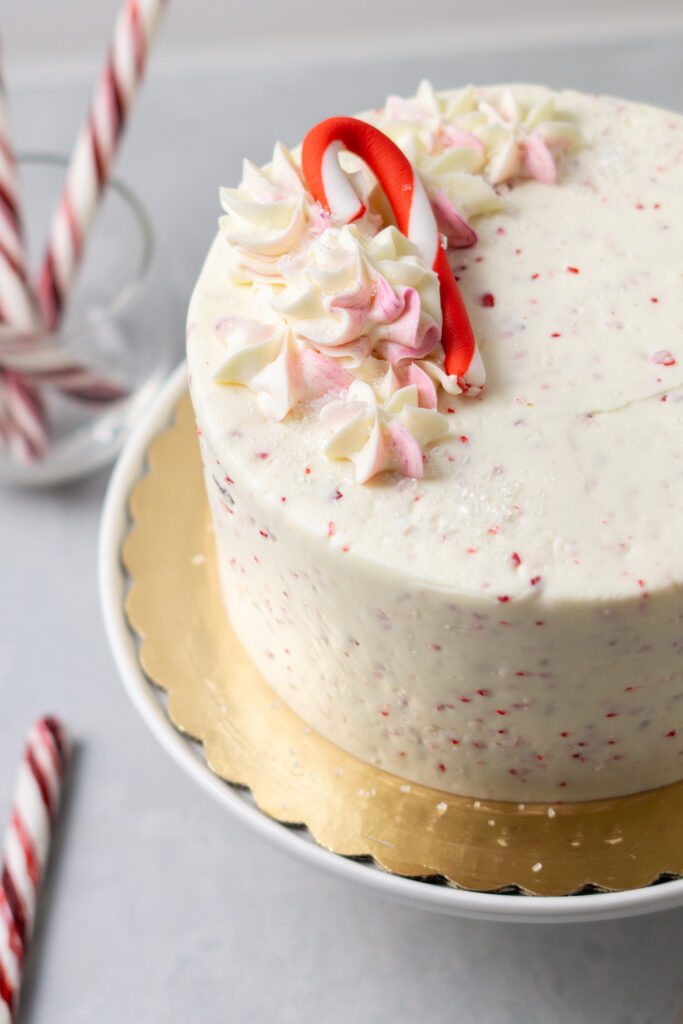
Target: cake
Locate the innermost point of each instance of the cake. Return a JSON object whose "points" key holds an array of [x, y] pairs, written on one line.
{"points": [[474, 584]]}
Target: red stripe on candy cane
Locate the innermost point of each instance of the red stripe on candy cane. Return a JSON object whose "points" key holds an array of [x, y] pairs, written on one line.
{"points": [[414, 217], [6, 989], [32, 865], [15, 914], [40, 780], [137, 38], [8, 201], [11, 948], [53, 736]]}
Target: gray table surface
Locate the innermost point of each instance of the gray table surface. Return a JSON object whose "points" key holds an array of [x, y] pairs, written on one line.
{"points": [[160, 906]]}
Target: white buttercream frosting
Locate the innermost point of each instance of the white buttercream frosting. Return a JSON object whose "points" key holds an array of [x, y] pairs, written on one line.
{"points": [[509, 625], [317, 306]]}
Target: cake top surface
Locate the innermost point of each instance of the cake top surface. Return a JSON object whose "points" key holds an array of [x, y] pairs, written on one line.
{"points": [[564, 476]]}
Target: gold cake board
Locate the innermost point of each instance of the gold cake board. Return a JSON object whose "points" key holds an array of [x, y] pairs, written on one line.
{"points": [[250, 738]]}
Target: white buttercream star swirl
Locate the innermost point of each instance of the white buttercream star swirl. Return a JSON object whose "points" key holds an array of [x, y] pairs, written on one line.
{"points": [[521, 143]]}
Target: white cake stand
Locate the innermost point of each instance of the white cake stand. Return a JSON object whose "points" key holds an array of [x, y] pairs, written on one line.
{"points": [[150, 702]]}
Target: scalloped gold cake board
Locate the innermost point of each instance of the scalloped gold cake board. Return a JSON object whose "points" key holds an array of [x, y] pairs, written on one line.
{"points": [[252, 739]]}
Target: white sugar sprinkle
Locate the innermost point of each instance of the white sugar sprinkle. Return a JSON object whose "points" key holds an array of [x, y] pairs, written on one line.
{"points": [[405, 789], [551, 812], [537, 866], [441, 808]]}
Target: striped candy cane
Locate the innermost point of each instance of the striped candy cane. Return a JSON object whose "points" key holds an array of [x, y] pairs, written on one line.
{"points": [[16, 302], [41, 363], [414, 217], [23, 422], [93, 157], [28, 369], [25, 853]]}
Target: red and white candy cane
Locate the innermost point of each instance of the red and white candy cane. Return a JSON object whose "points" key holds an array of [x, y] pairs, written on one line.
{"points": [[16, 301], [414, 217], [23, 421], [23, 424], [93, 157], [26, 849]]}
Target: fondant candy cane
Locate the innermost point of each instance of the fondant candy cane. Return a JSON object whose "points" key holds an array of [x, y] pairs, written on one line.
{"points": [[414, 217], [93, 157], [25, 853]]}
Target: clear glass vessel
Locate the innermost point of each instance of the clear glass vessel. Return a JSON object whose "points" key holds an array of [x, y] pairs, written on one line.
{"points": [[114, 333]]}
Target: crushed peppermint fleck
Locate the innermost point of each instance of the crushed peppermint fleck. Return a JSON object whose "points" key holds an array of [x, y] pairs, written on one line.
{"points": [[662, 358]]}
